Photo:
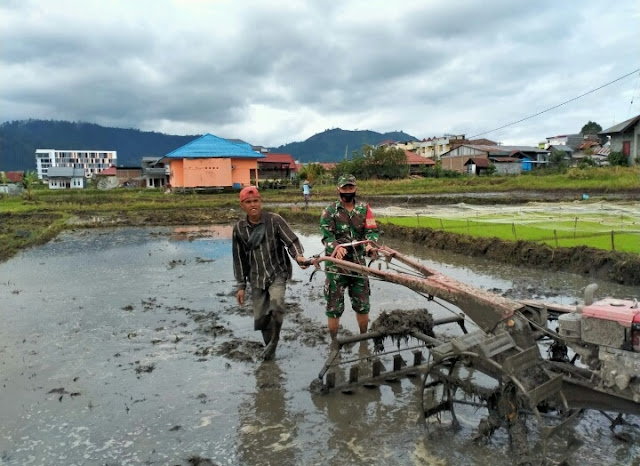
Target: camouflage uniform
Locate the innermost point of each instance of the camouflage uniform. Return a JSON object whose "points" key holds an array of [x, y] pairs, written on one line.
{"points": [[339, 226]]}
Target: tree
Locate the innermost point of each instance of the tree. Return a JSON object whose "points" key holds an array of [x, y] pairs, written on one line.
{"points": [[3, 178], [312, 172], [591, 128], [382, 162], [557, 159], [29, 179]]}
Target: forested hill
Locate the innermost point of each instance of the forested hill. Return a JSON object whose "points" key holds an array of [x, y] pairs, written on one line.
{"points": [[331, 145], [20, 139]]}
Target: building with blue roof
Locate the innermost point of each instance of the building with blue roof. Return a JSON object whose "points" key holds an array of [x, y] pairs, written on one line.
{"points": [[212, 162]]}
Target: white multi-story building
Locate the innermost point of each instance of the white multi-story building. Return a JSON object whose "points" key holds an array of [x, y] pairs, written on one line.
{"points": [[91, 161]]}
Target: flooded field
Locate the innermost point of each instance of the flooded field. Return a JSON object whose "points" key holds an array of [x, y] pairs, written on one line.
{"points": [[125, 347]]}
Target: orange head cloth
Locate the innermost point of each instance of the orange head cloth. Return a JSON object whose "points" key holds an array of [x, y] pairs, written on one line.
{"points": [[369, 221], [248, 192]]}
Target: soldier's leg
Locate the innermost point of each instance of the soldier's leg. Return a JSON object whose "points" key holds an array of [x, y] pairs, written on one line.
{"points": [[276, 309], [334, 295], [359, 294]]}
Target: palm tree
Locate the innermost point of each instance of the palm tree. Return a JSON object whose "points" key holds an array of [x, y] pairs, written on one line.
{"points": [[28, 180]]}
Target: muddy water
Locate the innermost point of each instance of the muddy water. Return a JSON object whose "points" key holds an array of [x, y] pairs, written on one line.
{"points": [[126, 347]]}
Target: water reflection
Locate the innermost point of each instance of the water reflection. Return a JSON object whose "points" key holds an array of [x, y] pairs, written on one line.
{"points": [[193, 232], [267, 433], [351, 420]]}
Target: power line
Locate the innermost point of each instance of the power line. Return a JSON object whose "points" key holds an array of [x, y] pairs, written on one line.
{"points": [[556, 106], [633, 96]]}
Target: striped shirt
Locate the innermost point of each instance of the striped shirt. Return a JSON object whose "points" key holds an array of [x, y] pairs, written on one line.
{"points": [[269, 260]]}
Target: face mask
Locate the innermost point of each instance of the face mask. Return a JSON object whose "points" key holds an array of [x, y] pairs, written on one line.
{"points": [[347, 197]]}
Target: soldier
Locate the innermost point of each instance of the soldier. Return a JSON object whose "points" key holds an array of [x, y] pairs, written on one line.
{"points": [[260, 245], [342, 222]]}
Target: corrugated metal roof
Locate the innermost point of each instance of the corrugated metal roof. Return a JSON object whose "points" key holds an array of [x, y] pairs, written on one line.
{"points": [[499, 150], [481, 162], [208, 146], [505, 159], [561, 147], [621, 127], [65, 172]]}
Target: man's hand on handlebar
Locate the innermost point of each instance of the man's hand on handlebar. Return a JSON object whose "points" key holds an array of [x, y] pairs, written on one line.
{"points": [[371, 251], [303, 262], [340, 252]]}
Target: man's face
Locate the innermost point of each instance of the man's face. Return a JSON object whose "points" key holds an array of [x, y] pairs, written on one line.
{"points": [[347, 188], [252, 206]]}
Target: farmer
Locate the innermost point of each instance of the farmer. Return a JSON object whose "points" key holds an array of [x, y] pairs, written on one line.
{"points": [[306, 193], [260, 245], [342, 222]]}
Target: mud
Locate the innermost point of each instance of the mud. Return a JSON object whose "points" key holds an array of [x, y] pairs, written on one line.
{"points": [[398, 325], [125, 360]]}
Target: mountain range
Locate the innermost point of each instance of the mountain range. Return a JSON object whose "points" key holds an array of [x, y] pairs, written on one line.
{"points": [[20, 139]]}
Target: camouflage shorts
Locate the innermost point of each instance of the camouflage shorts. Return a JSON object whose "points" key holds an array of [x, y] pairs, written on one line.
{"points": [[334, 286]]}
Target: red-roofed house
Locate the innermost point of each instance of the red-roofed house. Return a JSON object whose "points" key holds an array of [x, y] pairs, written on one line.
{"points": [[417, 162], [14, 177], [14, 183], [107, 178], [276, 167]]}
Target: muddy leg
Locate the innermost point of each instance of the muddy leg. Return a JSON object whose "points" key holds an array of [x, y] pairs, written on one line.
{"points": [[363, 322], [270, 351], [267, 332], [333, 323]]}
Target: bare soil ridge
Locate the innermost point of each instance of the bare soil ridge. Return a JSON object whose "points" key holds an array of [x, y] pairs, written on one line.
{"points": [[619, 267]]}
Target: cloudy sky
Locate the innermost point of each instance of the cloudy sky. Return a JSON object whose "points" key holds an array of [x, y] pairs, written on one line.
{"points": [[272, 72]]}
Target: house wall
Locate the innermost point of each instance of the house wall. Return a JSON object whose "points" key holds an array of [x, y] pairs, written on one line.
{"points": [[66, 183], [633, 136], [456, 162], [125, 174], [211, 172], [241, 174], [514, 168], [176, 178]]}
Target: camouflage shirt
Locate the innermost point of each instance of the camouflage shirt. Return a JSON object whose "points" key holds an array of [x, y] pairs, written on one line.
{"points": [[339, 226]]}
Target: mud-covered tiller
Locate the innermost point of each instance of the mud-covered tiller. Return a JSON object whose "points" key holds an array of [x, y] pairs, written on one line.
{"points": [[498, 375]]}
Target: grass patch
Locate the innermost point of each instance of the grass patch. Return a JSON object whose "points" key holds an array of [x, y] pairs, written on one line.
{"points": [[560, 233]]}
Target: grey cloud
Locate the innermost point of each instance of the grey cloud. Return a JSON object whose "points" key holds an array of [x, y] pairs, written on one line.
{"points": [[430, 66]]}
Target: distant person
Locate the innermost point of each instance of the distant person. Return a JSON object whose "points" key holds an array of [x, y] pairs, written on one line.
{"points": [[260, 244], [342, 222], [306, 193]]}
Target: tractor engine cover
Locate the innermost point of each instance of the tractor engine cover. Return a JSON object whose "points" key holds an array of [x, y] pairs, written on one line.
{"points": [[569, 326], [609, 322]]}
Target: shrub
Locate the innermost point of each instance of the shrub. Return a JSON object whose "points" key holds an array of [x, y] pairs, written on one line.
{"points": [[618, 158]]}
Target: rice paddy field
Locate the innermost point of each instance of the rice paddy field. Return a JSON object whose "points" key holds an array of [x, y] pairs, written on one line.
{"points": [[602, 225]]}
